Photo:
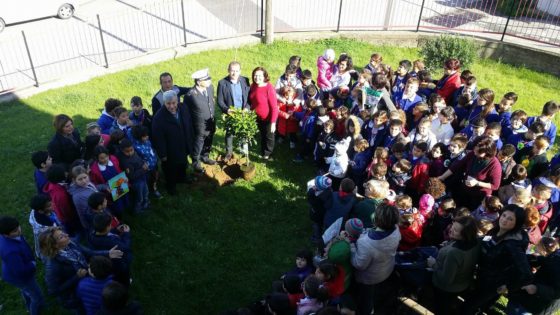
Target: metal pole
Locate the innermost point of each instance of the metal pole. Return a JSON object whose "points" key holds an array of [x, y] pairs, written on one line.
{"points": [[269, 24], [262, 17], [507, 22], [420, 16], [339, 15], [102, 42], [30, 60], [184, 28], [388, 14]]}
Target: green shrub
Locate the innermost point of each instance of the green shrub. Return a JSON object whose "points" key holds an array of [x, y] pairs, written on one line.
{"points": [[242, 124], [438, 49]]}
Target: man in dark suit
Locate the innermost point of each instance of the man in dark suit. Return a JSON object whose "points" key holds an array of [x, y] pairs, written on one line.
{"points": [[200, 104], [233, 91], [172, 140], [166, 83]]}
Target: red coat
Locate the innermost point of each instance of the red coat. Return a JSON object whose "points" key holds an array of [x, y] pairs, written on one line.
{"points": [[451, 85], [420, 176], [61, 203], [95, 175], [287, 124]]}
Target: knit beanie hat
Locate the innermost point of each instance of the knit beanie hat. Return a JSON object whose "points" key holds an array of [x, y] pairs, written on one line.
{"points": [[354, 227], [322, 182]]}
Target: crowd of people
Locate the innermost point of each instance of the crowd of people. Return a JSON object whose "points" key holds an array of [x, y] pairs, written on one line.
{"points": [[423, 186]]}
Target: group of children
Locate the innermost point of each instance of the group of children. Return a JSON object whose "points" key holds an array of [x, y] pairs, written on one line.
{"points": [[387, 137], [77, 197], [376, 136]]}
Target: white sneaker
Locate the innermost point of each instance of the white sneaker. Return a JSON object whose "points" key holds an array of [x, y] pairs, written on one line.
{"points": [[292, 145]]}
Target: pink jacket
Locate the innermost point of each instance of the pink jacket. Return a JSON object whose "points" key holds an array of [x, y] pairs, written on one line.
{"points": [[324, 74]]}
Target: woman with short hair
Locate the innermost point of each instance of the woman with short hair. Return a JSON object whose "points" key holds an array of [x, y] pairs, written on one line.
{"points": [[65, 146], [454, 265], [373, 256]]}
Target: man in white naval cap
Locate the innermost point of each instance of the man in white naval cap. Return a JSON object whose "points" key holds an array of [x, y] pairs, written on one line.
{"points": [[200, 104]]}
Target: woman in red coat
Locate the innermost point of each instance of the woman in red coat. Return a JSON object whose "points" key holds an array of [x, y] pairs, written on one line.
{"points": [[262, 98], [451, 80], [481, 173]]}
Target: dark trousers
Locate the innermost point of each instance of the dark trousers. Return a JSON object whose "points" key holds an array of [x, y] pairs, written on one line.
{"points": [[174, 173], [202, 145], [445, 302], [267, 137], [364, 298]]}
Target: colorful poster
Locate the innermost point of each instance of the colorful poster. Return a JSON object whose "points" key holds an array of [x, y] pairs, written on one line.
{"points": [[119, 186]]}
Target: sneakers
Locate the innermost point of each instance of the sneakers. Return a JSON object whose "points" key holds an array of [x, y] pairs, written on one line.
{"points": [[268, 158], [292, 145]]}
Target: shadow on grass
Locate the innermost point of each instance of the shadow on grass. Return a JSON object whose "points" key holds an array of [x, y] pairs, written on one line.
{"points": [[206, 250]]}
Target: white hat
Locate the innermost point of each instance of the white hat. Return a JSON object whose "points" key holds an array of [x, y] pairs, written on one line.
{"points": [[201, 75]]}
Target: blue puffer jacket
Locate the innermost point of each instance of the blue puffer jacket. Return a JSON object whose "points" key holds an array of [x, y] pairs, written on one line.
{"points": [[89, 293], [18, 262]]}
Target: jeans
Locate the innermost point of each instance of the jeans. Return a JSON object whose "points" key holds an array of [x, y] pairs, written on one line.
{"points": [[32, 295], [140, 191]]}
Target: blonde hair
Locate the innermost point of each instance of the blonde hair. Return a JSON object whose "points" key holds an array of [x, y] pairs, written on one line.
{"points": [[361, 145], [48, 244], [521, 197], [403, 202], [377, 189]]}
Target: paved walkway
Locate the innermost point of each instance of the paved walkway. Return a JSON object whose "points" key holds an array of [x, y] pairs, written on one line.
{"points": [[131, 29]]}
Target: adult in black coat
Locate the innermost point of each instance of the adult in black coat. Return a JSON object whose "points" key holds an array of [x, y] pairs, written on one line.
{"points": [[166, 83], [172, 139], [66, 145], [199, 101], [542, 296], [233, 91], [503, 266]]}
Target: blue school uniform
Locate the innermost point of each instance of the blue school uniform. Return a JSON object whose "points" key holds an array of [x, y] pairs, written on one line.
{"points": [[398, 86], [425, 93], [508, 131], [550, 128], [407, 104], [40, 181]]}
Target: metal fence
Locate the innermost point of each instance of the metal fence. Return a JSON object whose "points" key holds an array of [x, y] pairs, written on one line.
{"points": [[104, 40]]}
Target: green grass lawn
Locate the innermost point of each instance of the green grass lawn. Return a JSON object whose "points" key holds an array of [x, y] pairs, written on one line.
{"points": [[207, 250]]}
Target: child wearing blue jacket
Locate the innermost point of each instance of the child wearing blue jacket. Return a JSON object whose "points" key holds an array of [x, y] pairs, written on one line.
{"points": [[547, 115], [143, 146], [18, 264]]}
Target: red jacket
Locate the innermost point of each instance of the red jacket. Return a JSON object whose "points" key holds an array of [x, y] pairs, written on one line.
{"points": [[287, 124], [335, 286], [420, 176], [95, 173], [263, 101], [451, 85], [61, 203]]}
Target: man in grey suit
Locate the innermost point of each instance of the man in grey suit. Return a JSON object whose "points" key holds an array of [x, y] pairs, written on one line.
{"points": [[200, 104], [233, 91]]}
